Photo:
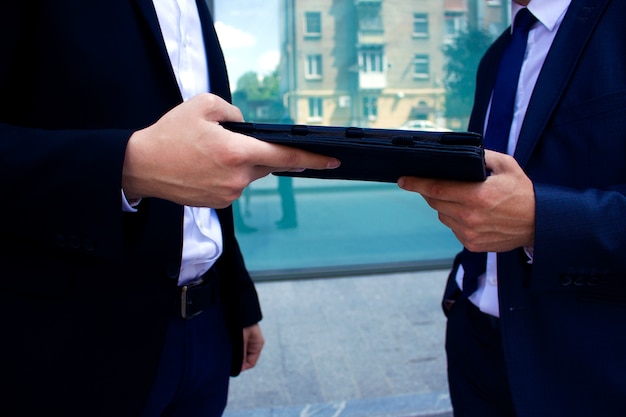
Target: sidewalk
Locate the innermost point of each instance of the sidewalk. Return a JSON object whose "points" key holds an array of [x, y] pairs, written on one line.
{"points": [[366, 346]]}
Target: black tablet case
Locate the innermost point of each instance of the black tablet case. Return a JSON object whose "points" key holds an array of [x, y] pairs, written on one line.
{"points": [[383, 155]]}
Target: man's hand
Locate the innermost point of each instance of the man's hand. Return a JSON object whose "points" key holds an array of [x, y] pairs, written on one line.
{"points": [[253, 342], [496, 215], [188, 158]]}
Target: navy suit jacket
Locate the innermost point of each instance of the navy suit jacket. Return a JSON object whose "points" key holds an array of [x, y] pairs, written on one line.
{"points": [[86, 291], [563, 317]]}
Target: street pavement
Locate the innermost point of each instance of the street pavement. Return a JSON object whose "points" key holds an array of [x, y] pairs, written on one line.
{"points": [[355, 346]]}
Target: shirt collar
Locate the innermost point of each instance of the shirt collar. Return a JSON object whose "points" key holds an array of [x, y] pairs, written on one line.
{"points": [[548, 12]]}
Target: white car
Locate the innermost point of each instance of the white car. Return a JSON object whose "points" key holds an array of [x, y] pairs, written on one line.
{"points": [[426, 125]]}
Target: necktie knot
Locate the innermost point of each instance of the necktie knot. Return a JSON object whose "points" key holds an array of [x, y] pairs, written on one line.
{"points": [[524, 20], [503, 99]]}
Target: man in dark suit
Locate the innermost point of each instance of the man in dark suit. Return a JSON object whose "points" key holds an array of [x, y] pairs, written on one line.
{"points": [[543, 335], [123, 291]]}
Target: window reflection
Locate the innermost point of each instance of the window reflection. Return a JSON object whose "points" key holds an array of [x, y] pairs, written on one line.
{"points": [[369, 63]]}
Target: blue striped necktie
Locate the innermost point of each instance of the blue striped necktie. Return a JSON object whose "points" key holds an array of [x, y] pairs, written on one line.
{"points": [[499, 125]]}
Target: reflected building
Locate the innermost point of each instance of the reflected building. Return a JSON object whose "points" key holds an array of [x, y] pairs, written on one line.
{"points": [[371, 63]]}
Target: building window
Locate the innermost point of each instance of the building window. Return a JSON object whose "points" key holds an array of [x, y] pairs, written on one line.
{"points": [[420, 25], [314, 66], [371, 60], [454, 23], [370, 20], [421, 66], [315, 108], [370, 107], [313, 24]]}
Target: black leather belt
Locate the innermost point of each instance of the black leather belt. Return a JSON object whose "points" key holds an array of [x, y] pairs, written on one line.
{"points": [[198, 295]]}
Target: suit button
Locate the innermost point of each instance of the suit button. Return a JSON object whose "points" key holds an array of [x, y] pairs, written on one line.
{"points": [[173, 270], [59, 241], [74, 242], [88, 245], [566, 280]]}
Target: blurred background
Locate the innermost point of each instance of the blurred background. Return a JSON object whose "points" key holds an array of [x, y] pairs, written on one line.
{"points": [[349, 269]]}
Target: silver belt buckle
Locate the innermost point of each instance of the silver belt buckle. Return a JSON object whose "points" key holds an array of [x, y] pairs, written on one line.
{"points": [[183, 300]]}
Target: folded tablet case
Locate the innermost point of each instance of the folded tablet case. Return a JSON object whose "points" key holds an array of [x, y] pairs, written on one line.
{"points": [[383, 155]]}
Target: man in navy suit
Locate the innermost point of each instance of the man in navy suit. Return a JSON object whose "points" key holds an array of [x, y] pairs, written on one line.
{"points": [[123, 291], [543, 335]]}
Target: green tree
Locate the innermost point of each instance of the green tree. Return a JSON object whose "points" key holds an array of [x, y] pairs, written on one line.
{"points": [[254, 92], [462, 58], [258, 88]]}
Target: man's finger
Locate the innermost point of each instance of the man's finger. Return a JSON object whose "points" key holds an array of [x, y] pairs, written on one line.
{"points": [[285, 158], [443, 190]]}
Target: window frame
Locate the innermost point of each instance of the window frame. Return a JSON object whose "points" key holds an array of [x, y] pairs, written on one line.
{"points": [[372, 59], [316, 109], [421, 19], [312, 19], [369, 108], [424, 61], [313, 69]]}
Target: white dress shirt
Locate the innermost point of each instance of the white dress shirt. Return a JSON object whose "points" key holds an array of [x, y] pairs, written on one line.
{"points": [[550, 14], [182, 32]]}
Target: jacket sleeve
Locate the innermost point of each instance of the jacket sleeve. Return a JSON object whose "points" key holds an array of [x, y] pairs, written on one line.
{"points": [[64, 181], [580, 237]]}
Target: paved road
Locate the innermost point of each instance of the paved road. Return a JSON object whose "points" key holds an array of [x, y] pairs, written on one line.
{"points": [[363, 346]]}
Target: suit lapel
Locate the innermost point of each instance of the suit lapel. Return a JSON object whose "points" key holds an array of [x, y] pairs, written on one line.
{"points": [[485, 82], [215, 58], [580, 21], [148, 13]]}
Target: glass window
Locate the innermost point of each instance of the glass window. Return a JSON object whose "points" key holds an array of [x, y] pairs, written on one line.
{"points": [[378, 63], [370, 19], [455, 23], [313, 25], [370, 107], [420, 25], [314, 66], [371, 59], [315, 109], [421, 66]]}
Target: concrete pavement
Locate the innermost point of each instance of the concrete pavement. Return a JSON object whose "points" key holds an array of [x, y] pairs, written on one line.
{"points": [[360, 346]]}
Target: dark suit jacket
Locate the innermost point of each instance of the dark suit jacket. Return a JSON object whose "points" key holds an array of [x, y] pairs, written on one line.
{"points": [[86, 291], [563, 317]]}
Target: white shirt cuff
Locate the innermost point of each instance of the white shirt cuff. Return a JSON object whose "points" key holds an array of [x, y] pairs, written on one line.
{"points": [[129, 206]]}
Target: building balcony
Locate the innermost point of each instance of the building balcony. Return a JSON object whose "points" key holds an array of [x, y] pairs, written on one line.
{"points": [[372, 80], [371, 37]]}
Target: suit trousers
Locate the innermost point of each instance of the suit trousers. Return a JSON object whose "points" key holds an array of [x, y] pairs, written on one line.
{"points": [[477, 376], [194, 370]]}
